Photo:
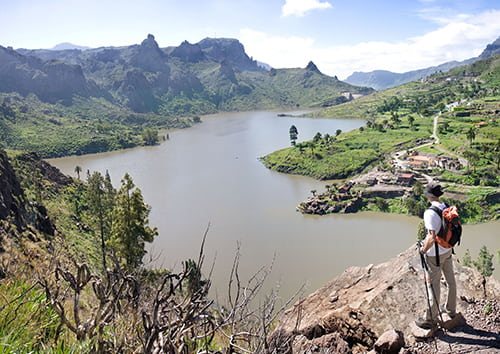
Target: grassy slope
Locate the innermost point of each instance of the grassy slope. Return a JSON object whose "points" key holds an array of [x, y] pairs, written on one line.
{"points": [[88, 126]]}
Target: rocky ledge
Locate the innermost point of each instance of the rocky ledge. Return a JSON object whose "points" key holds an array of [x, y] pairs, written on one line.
{"points": [[366, 304]]}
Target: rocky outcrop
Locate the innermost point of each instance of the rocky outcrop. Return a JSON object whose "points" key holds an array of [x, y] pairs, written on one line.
{"points": [[149, 57], [51, 173], [12, 200], [364, 302], [188, 52], [491, 49], [312, 67], [230, 50], [15, 209]]}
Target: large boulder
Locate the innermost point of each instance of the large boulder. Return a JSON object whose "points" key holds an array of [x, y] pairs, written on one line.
{"points": [[364, 302]]}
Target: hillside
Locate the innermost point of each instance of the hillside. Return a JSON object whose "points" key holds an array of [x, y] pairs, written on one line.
{"points": [[444, 128], [383, 79], [60, 102]]}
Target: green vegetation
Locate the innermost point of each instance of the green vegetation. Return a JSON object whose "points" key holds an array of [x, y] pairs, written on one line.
{"points": [[90, 125], [483, 263], [465, 103], [345, 154], [129, 230]]}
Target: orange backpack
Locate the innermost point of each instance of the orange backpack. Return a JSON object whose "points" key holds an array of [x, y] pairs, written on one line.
{"points": [[451, 229]]}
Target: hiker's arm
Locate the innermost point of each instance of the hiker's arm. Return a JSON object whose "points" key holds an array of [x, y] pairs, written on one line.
{"points": [[429, 240]]}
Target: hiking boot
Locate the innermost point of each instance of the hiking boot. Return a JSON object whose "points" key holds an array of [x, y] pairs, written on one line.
{"points": [[425, 324], [449, 314]]}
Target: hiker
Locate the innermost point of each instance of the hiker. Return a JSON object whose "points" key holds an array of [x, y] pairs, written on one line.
{"points": [[444, 264]]}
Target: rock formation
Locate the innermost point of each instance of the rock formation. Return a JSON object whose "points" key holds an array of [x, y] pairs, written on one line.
{"points": [[363, 303], [188, 52], [51, 81], [12, 198], [14, 208]]}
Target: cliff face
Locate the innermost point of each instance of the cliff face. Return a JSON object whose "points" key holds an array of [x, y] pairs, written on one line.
{"points": [[15, 209], [356, 308], [12, 207]]}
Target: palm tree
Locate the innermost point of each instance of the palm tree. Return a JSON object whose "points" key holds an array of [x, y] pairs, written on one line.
{"points": [[78, 169], [471, 134]]}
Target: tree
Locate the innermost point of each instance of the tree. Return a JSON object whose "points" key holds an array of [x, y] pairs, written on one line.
{"points": [[471, 134], [317, 138], [338, 132], [411, 121], [467, 259], [130, 229], [395, 118], [484, 262], [78, 169], [100, 199], [150, 136], [311, 144], [472, 156], [421, 232], [293, 134]]}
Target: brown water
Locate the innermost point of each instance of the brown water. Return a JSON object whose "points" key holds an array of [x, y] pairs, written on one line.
{"points": [[211, 174]]}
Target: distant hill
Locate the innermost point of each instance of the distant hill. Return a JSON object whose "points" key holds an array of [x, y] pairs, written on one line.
{"points": [[51, 81], [383, 79], [67, 45]]}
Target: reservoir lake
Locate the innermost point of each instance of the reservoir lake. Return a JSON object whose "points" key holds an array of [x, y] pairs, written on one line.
{"points": [[210, 174]]}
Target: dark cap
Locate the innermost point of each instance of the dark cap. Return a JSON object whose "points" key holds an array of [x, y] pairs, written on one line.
{"points": [[433, 189]]}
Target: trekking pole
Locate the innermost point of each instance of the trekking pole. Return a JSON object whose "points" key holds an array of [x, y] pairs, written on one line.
{"points": [[425, 266], [426, 270]]}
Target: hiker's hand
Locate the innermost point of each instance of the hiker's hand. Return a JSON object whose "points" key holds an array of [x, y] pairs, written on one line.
{"points": [[421, 250]]}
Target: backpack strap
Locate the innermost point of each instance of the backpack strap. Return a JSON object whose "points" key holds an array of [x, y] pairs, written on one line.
{"points": [[440, 213]]}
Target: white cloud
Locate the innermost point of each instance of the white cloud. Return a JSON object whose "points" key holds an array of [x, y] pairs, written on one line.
{"points": [[460, 38], [300, 7]]}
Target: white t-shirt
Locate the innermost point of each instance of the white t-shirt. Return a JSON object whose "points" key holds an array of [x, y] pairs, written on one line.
{"points": [[432, 221]]}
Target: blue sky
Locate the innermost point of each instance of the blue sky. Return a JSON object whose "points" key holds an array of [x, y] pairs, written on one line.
{"points": [[340, 36]]}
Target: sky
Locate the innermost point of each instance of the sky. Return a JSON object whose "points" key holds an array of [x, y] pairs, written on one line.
{"points": [[339, 36]]}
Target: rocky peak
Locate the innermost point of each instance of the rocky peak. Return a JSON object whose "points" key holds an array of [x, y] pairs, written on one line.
{"points": [[149, 57], [491, 49], [188, 52], [150, 43], [312, 67], [361, 304], [230, 50]]}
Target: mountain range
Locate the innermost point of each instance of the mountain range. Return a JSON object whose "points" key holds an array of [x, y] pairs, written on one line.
{"points": [[383, 79], [212, 75]]}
